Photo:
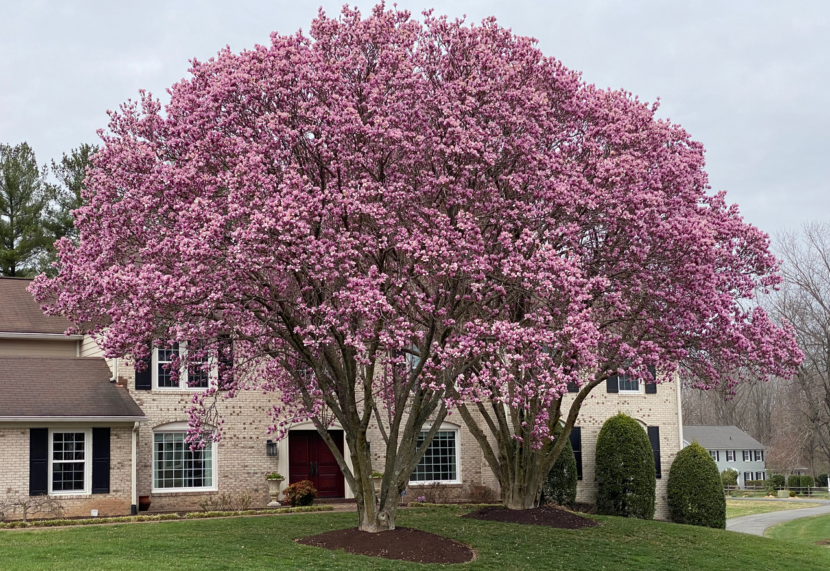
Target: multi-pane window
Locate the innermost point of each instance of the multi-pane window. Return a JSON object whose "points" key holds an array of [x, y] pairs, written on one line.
{"points": [[68, 461], [747, 455], [715, 455], [747, 476], [759, 455], [730, 455], [170, 374], [167, 375], [628, 384], [440, 461], [760, 476], [176, 466]]}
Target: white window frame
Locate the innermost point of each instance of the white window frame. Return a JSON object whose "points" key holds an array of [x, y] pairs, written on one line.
{"points": [[622, 391], [445, 427], [759, 456], [87, 461], [730, 456], [213, 374], [181, 427], [747, 455], [715, 454]]}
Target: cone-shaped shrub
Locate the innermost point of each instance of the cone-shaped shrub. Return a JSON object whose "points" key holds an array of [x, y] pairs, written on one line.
{"points": [[695, 489], [560, 485], [625, 469]]}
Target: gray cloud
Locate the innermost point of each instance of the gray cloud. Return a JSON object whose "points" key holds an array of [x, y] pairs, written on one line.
{"points": [[747, 78]]}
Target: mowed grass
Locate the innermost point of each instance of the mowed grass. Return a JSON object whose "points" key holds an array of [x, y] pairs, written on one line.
{"points": [[268, 543], [738, 508], [806, 531]]}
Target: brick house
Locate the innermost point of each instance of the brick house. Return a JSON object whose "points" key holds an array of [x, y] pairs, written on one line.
{"points": [[171, 477]]}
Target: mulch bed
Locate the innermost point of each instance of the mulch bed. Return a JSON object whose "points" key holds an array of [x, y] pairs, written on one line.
{"points": [[545, 515], [401, 543]]}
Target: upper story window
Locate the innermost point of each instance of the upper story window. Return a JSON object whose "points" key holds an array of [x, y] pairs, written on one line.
{"points": [[715, 454], [759, 456], [197, 374], [730, 455]]}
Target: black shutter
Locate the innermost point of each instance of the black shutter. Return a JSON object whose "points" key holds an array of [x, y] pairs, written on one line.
{"points": [[101, 460], [612, 385], [651, 388], [38, 461], [654, 438], [576, 444], [225, 361], [572, 388], [144, 379]]}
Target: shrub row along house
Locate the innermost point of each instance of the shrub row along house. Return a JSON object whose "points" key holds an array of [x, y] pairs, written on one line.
{"points": [[732, 449], [97, 437]]}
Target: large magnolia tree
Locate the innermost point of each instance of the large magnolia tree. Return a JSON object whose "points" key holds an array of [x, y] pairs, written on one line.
{"points": [[393, 218]]}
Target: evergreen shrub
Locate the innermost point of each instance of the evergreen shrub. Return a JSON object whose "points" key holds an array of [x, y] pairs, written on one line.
{"points": [[729, 477], [794, 481], [778, 481], [625, 469], [695, 491], [807, 481], [560, 485], [821, 481]]}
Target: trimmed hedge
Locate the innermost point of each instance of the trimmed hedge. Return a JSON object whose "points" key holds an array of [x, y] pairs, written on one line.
{"points": [[794, 481], [807, 481], [729, 477], [625, 469], [779, 482], [821, 481], [695, 491], [757, 483], [560, 485]]}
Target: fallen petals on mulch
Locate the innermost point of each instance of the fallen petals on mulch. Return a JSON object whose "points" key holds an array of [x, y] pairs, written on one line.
{"points": [[401, 543], [545, 515]]}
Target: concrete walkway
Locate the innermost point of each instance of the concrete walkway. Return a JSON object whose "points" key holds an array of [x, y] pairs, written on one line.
{"points": [[757, 524]]}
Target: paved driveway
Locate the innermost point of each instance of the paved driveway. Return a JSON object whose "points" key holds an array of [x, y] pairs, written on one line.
{"points": [[757, 524]]}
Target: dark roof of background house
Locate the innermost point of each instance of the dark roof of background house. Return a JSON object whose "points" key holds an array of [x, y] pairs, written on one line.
{"points": [[721, 438], [61, 387], [20, 313]]}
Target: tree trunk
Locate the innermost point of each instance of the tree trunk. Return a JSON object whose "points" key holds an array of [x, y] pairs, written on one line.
{"points": [[518, 496]]}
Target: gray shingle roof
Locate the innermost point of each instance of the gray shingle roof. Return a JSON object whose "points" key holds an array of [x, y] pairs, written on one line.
{"points": [[61, 387], [20, 313], [721, 438]]}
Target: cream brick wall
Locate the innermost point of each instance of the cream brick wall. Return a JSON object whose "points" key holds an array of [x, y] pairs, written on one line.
{"points": [[661, 409], [242, 463], [14, 471]]}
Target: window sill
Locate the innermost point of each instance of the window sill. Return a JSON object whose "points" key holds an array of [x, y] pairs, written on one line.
{"points": [[447, 483], [83, 494], [179, 491]]}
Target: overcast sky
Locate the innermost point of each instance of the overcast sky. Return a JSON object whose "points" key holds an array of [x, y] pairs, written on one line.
{"points": [[748, 79]]}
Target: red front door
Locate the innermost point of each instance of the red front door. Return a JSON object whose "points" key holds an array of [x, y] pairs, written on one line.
{"points": [[309, 458]]}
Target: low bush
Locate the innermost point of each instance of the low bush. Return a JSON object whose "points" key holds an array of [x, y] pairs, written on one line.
{"points": [[794, 481], [821, 480], [300, 493], [792, 493], [695, 489], [560, 485], [625, 469], [729, 477]]}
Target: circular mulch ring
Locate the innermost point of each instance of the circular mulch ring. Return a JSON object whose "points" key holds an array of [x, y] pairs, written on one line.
{"points": [[401, 543], [545, 515]]}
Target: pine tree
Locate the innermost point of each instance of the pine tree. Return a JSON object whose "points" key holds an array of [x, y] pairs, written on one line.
{"points": [[24, 197]]}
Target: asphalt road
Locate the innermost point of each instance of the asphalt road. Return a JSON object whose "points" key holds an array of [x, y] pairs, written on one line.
{"points": [[757, 524]]}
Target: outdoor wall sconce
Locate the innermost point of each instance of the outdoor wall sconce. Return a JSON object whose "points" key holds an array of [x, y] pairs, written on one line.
{"points": [[270, 448]]}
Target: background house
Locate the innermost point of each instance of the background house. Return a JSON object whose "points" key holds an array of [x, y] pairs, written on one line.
{"points": [[730, 447]]}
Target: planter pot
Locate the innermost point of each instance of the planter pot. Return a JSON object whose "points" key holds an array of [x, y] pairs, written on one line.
{"points": [[275, 491], [377, 482], [143, 503]]}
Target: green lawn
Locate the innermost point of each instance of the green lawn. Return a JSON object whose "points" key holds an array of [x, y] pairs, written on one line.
{"points": [[267, 543], [738, 508], [806, 531]]}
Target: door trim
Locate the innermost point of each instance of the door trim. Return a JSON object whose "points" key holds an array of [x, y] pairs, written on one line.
{"points": [[282, 448]]}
